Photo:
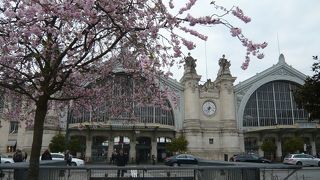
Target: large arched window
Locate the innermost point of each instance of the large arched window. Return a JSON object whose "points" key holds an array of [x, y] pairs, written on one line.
{"points": [[155, 114], [271, 104], [143, 114]]}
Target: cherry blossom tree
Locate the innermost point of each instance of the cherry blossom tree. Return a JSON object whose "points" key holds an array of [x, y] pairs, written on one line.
{"points": [[62, 50]]}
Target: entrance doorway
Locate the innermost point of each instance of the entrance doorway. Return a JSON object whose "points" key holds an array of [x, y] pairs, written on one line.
{"points": [[122, 142], [99, 148], [161, 148], [143, 149]]}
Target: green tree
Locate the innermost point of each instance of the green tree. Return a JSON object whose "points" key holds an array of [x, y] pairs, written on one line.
{"points": [[308, 95], [57, 143], [268, 146], [74, 144], [292, 145], [179, 144]]}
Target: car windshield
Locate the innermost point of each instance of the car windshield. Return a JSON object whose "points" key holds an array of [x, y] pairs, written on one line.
{"points": [[57, 155], [4, 156], [254, 156], [288, 156]]}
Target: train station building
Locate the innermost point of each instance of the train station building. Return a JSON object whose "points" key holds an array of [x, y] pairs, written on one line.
{"points": [[218, 118]]}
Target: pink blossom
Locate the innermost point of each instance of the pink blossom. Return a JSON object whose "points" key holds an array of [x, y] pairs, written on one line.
{"points": [[260, 56], [171, 4], [238, 13], [188, 6], [263, 45], [195, 33], [189, 44], [235, 31]]}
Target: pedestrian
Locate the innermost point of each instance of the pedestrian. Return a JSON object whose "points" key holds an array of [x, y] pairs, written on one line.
{"points": [[25, 156], [46, 155], [153, 159], [121, 161], [68, 157], [17, 156], [113, 157], [163, 156]]}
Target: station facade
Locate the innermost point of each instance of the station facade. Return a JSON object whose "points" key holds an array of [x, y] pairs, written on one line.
{"points": [[218, 119]]}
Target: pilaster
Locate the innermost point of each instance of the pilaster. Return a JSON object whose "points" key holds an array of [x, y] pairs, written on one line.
{"points": [[88, 147], [110, 147]]}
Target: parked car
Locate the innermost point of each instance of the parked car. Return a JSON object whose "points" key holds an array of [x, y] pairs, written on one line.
{"points": [[181, 159], [5, 159], [301, 159], [249, 158], [60, 157]]}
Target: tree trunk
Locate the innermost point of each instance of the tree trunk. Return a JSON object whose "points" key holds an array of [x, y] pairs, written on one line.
{"points": [[40, 115]]}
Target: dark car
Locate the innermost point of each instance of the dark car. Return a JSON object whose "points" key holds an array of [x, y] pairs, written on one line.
{"points": [[250, 158], [180, 159]]}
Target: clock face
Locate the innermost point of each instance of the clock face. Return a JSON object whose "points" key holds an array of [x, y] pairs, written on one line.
{"points": [[209, 108]]}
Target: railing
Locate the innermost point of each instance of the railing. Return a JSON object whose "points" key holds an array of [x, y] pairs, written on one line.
{"points": [[241, 172]]}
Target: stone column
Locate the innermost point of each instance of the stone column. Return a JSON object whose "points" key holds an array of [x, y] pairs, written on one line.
{"points": [[110, 147], [313, 146], [132, 155], [279, 149], [88, 147], [260, 151], [154, 148]]}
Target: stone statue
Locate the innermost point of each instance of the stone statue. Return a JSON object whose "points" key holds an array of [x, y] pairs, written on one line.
{"points": [[190, 64], [224, 66]]}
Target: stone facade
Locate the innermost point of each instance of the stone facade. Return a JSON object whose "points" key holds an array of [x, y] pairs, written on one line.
{"points": [[209, 115], [215, 135]]}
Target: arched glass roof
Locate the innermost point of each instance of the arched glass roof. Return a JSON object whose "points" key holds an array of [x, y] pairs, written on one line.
{"points": [[271, 104]]}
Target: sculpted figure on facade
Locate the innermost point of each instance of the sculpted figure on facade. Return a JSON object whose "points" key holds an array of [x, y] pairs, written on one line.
{"points": [[190, 64], [224, 66]]}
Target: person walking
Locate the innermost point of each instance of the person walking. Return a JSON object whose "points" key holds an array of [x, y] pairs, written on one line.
{"points": [[46, 155], [68, 157], [121, 161], [17, 156], [113, 157], [25, 156]]}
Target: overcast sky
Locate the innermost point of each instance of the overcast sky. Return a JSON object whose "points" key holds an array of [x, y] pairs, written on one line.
{"points": [[295, 22]]}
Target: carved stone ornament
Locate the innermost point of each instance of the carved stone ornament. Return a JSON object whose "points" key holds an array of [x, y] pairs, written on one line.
{"points": [[193, 85], [281, 72], [208, 86]]}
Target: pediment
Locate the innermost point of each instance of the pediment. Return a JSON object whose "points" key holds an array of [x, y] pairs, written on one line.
{"points": [[280, 71]]}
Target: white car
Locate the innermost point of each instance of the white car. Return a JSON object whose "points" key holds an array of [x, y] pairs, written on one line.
{"points": [[74, 161], [301, 160], [5, 159]]}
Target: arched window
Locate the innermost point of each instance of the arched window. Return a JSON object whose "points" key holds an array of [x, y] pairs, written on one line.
{"points": [[272, 104]]}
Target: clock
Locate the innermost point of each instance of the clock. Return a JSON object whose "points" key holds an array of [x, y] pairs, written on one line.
{"points": [[208, 108]]}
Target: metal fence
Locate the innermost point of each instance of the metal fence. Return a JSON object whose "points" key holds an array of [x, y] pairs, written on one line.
{"points": [[9, 172]]}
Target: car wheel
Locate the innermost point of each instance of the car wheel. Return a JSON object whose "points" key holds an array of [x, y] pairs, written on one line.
{"points": [[319, 163], [175, 164], [73, 164], [299, 163]]}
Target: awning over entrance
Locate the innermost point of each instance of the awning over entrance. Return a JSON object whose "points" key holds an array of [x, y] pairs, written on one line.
{"points": [[11, 142]]}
